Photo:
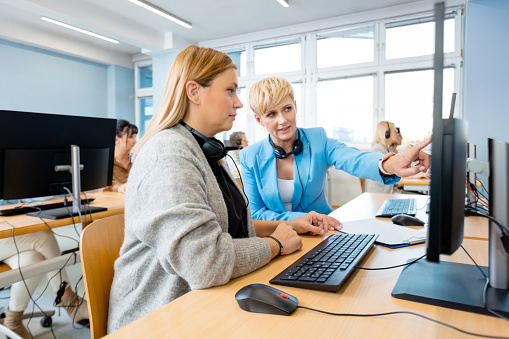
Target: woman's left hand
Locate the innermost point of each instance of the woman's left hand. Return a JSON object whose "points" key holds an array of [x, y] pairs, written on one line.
{"points": [[315, 224], [401, 163]]}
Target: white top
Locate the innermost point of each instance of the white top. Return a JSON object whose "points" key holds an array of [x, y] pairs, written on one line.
{"points": [[286, 192]]}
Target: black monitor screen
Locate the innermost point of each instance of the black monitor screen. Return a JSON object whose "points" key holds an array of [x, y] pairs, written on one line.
{"points": [[32, 144]]}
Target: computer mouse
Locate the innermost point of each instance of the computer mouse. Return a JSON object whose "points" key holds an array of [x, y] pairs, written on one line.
{"points": [[406, 220], [261, 298]]}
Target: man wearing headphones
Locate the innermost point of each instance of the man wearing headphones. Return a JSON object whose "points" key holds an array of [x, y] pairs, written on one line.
{"points": [[284, 175]]}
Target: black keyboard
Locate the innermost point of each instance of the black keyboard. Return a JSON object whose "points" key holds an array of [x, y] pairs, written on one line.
{"points": [[328, 264], [392, 207], [36, 208]]}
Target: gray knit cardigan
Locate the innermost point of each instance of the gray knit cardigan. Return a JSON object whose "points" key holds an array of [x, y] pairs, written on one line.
{"points": [[176, 230]]}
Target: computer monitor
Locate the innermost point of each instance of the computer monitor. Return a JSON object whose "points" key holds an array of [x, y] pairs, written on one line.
{"points": [[449, 284], [32, 144]]}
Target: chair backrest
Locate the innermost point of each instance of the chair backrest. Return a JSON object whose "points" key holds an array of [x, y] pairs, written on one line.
{"points": [[239, 182], [100, 247], [361, 183]]}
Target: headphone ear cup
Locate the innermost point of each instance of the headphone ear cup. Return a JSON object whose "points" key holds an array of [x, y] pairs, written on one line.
{"points": [[297, 146], [387, 134], [279, 152], [214, 149]]}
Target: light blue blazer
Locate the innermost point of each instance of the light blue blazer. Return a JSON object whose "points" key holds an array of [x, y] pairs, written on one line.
{"points": [[259, 174]]}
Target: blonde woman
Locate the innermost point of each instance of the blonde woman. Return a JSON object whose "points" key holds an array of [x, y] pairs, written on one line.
{"points": [[187, 223], [387, 138], [284, 175]]}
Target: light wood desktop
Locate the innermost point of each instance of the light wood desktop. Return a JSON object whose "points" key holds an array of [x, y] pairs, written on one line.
{"points": [[214, 312], [24, 224]]}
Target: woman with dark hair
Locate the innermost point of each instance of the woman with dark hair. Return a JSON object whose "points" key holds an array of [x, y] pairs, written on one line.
{"points": [[124, 143]]}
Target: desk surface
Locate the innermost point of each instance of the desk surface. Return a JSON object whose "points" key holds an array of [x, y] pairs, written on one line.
{"points": [[214, 312], [24, 224]]}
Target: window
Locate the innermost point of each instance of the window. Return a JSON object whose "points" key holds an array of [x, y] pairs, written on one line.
{"points": [[348, 78], [144, 92], [416, 38], [346, 47], [278, 58], [146, 110], [145, 77], [239, 58], [409, 101], [345, 108]]}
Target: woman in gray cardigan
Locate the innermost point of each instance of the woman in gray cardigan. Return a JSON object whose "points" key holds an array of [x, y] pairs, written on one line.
{"points": [[187, 223]]}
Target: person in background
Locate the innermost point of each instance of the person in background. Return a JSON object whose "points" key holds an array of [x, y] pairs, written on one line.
{"points": [[27, 249], [187, 223], [236, 139], [387, 138], [284, 175], [124, 143]]}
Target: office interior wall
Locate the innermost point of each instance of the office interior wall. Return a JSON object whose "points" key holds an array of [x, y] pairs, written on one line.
{"points": [[486, 86], [121, 93], [160, 66], [38, 80]]}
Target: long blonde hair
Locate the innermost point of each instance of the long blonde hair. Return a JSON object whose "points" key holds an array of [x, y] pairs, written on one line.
{"points": [[193, 63], [381, 129]]}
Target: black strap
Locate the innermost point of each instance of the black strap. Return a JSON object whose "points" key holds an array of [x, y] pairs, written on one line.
{"points": [[280, 246]]}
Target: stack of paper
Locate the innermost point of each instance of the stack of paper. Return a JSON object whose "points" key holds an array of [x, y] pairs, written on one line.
{"points": [[391, 235]]}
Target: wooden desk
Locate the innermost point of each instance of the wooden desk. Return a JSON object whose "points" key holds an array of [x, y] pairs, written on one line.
{"points": [[415, 184], [367, 204], [214, 312], [24, 224]]}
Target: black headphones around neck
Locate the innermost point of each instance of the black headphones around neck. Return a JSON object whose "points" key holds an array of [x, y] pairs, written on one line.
{"points": [[388, 133], [280, 153], [212, 148]]}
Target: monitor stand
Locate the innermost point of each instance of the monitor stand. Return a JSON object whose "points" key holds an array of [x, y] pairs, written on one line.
{"points": [[451, 285], [66, 212]]}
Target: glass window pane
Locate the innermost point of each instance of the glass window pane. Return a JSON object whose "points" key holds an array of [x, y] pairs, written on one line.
{"points": [[345, 109], [145, 77], [409, 102], [347, 47], [240, 124], [277, 59], [416, 40], [146, 112], [239, 58]]}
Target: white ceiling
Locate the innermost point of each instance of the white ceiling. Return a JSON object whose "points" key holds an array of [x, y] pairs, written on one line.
{"points": [[142, 32]]}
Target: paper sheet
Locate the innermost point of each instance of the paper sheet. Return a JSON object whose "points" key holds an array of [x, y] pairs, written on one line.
{"points": [[390, 234]]}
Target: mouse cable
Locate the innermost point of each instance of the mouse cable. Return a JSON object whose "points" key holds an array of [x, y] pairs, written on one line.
{"points": [[389, 267], [403, 312]]}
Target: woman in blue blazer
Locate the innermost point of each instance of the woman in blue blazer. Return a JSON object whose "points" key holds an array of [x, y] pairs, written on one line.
{"points": [[284, 175]]}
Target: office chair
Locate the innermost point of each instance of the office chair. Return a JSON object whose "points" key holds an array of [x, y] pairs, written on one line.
{"points": [[100, 246], [361, 183], [46, 316], [239, 182], [8, 333]]}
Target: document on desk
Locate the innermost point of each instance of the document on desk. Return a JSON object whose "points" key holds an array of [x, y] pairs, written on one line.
{"points": [[391, 235]]}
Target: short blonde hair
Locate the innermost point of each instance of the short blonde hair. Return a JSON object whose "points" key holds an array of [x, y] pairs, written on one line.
{"points": [[193, 63], [381, 129], [269, 93]]}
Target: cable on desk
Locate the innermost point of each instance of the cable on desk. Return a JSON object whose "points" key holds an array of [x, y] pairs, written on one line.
{"points": [[389, 267], [403, 312]]}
